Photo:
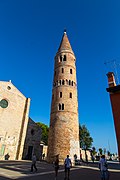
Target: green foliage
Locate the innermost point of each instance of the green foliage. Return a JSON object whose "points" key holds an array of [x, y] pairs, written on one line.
{"points": [[45, 130], [93, 151], [85, 138], [100, 151]]}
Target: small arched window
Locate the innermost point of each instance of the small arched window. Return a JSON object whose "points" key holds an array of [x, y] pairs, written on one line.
{"points": [[60, 82], [70, 95], [60, 58], [69, 82], [62, 106], [62, 70], [60, 94], [64, 58], [72, 83], [59, 107], [63, 82], [70, 71], [66, 81]]}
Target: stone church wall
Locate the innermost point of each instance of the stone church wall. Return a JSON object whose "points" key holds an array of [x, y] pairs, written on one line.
{"points": [[14, 109]]}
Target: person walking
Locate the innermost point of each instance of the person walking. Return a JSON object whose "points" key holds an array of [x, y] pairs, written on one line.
{"points": [[33, 163], [43, 156], [75, 159], [92, 158], [103, 166], [56, 165], [68, 165]]}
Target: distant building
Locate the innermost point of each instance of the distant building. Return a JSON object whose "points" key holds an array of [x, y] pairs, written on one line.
{"points": [[19, 135], [114, 91], [64, 124], [43, 150]]}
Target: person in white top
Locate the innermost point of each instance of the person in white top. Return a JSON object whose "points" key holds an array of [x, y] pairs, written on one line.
{"points": [[33, 163], [68, 165], [103, 166]]}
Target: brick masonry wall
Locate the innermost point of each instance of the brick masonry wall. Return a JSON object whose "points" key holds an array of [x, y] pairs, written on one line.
{"points": [[115, 102], [64, 124]]}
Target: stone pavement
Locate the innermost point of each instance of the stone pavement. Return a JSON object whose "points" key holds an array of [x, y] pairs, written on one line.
{"points": [[20, 170]]}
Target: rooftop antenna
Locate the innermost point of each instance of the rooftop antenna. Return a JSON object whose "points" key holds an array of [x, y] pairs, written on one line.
{"points": [[114, 66]]}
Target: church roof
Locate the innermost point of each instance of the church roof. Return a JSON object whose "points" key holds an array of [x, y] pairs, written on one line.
{"points": [[9, 86], [65, 44]]}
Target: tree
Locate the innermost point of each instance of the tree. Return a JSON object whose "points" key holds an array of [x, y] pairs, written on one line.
{"points": [[85, 138], [45, 130], [93, 151], [100, 151]]}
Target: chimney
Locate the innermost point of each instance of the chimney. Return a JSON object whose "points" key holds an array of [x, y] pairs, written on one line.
{"points": [[111, 79]]}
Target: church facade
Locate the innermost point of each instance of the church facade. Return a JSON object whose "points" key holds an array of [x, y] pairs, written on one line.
{"points": [[64, 124], [17, 130]]}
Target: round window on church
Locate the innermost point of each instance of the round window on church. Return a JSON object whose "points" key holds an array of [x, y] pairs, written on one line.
{"points": [[8, 87], [4, 103]]}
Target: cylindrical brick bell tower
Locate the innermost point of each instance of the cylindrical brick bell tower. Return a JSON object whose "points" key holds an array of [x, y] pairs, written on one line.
{"points": [[64, 124]]}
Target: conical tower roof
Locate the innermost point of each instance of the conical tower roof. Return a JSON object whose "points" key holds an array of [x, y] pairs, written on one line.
{"points": [[65, 44]]}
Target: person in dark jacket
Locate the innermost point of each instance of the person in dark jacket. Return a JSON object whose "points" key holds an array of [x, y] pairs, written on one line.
{"points": [[56, 165]]}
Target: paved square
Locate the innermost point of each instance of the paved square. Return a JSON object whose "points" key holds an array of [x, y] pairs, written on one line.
{"points": [[20, 170]]}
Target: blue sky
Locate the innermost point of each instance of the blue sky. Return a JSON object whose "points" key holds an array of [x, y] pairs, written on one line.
{"points": [[30, 34]]}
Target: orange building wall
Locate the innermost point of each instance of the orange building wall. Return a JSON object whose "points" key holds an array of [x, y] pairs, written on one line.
{"points": [[115, 102]]}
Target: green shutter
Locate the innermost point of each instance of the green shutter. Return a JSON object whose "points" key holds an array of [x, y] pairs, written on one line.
{"points": [[2, 150]]}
